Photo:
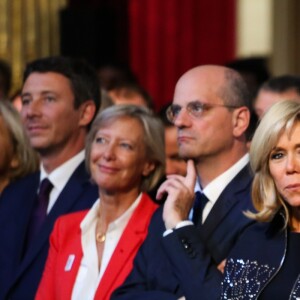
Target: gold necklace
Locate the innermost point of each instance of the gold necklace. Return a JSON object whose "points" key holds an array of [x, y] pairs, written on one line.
{"points": [[100, 237]]}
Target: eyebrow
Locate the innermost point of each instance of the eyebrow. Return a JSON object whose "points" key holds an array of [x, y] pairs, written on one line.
{"points": [[277, 148], [25, 94], [42, 92]]}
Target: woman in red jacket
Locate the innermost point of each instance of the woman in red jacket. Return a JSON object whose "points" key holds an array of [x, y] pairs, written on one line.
{"points": [[92, 252]]}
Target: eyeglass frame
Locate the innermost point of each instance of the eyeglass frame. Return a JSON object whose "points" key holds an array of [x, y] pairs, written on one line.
{"points": [[202, 106]]}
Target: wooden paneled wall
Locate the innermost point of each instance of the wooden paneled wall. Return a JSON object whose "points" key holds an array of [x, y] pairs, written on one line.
{"points": [[28, 29]]}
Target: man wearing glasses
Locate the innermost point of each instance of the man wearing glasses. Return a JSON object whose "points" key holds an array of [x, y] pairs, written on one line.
{"points": [[191, 235]]}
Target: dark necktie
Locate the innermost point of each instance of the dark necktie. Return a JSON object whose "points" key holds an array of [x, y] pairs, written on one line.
{"points": [[199, 204], [39, 212]]}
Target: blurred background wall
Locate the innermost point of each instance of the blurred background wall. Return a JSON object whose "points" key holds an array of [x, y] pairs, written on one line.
{"points": [[157, 39], [28, 29]]}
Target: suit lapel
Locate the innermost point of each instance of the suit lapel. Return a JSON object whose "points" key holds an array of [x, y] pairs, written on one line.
{"points": [[67, 198], [69, 276], [29, 198], [131, 239], [228, 198]]}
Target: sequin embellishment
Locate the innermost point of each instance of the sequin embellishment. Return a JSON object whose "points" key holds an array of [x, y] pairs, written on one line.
{"points": [[243, 279], [296, 290]]}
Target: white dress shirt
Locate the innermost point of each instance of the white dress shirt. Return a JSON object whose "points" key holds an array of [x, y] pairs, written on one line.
{"points": [[60, 176], [213, 190], [89, 276]]}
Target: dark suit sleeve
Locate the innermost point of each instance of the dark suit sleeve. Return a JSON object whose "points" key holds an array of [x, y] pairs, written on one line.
{"points": [[189, 272], [150, 278], [184, 263], [47, 285], [192, 265], [170, 267], [136, 287]]}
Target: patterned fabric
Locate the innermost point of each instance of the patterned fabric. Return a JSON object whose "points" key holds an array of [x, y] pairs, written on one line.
{"points": [[296, 290], [243, 279]]}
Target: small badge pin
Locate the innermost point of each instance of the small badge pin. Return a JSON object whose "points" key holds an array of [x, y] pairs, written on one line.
{"points": [[69, 263]]}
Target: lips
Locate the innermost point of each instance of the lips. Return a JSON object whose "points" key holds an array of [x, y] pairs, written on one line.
{"points": [[108, 169], [35, 129], [295, 186], [184, 138]]}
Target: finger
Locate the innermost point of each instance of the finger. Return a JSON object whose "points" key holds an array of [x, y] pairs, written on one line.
{"points": [[191, 175], [221, 266], [162, 190], [173, 180], [168, 185], [175, 176]]}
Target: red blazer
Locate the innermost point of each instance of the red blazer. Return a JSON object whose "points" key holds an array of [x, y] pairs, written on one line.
{"points": [[65, 243]]}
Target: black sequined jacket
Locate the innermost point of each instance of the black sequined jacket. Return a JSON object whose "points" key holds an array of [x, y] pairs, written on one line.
{"points": [[255, 260]]}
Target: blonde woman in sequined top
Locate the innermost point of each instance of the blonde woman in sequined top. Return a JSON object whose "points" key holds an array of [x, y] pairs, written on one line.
{"points": [[265, 263]]}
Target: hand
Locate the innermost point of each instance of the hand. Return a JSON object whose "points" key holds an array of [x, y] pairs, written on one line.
{"points": [[180, 197], [221, 266], [181, 298]]}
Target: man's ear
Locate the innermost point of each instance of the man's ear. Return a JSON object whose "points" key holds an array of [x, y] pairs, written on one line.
{"points": [[240, 120], [87, 112]]}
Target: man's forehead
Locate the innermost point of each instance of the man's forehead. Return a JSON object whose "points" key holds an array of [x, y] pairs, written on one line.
{"points": [[46, 77], [53, 80], [205, 94], [204, 73]]}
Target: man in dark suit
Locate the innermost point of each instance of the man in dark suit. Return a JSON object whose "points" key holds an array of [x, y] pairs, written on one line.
{"points": [[60, 97], [188, 241]]}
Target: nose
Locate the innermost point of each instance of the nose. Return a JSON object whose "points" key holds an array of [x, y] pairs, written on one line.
{"points": [[109, 152], [31, 109], [182, 119], [292, 164]]}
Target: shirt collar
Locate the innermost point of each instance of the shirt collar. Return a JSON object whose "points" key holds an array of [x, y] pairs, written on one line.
{"points": [[60, 176], [92, 215], [214, 189]]}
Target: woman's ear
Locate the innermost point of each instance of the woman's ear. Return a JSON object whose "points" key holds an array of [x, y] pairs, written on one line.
{"points": [[148, 168], [14, 163]]}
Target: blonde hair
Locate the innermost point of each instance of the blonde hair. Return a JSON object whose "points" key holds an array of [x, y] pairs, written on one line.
{"points": [[280, 118], [26, 157], [153, 137]]}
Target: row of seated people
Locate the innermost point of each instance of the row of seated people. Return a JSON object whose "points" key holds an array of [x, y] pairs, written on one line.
{"points": [[188, 242], [263, 261], [119, 85], [60, 98]]}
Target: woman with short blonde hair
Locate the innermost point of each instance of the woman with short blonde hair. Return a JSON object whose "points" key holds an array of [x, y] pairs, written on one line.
{"points": [[91, 252]]}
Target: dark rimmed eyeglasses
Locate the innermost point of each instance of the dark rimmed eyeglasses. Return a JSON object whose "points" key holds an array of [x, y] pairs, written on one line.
{"points": [[194, 109]]}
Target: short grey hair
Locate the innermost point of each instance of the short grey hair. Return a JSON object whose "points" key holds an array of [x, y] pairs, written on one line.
{"points": [[235, 91], [153, 137]]}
